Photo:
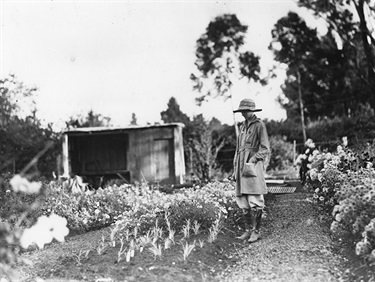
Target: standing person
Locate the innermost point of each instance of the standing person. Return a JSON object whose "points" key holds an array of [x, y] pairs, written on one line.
{"points": [[252, 152]]}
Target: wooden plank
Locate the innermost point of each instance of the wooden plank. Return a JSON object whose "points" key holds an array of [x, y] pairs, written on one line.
{"points": [[281, 189], [275, 181], [161, 160], [179, 159]]}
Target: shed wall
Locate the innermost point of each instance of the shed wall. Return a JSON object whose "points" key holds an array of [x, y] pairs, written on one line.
{"points": [[152, 154]]}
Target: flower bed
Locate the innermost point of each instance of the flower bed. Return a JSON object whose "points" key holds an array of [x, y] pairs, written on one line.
{"points": [[139, 215], [344, 186]]}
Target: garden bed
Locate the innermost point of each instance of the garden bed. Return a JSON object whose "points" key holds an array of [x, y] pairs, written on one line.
{"points": [[296, 245], [60, 260]]}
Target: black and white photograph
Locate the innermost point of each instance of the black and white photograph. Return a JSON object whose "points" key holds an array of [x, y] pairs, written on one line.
{"points": [[193, 140]]}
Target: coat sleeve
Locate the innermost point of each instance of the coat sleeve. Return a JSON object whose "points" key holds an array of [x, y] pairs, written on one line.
{"points": [[235, 156], [264, 144]]}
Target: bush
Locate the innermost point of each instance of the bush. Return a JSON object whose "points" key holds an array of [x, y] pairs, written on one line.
{"points": [[281, 153], [22, 196], [131, 206], [202, 204], [345, 188]]}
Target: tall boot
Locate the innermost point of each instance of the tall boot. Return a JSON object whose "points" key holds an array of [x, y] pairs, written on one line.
{"points": [[247, 219], [256, 217]]}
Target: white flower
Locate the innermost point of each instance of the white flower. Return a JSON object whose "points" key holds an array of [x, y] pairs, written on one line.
{"points": [[345, 141], [336, 209], [27, 237], [320, 177], [58, 227], [315, 152], [40, 234], [309, 143], [44, 231], [328, 156], [362, 248], [313, 174], [334, 226], [335, 160], [21, 184], [338, 217]]}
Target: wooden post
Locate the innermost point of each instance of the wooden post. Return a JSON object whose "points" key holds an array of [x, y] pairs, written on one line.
{"points": [[234, 114], [65, 157], [301, 106]]}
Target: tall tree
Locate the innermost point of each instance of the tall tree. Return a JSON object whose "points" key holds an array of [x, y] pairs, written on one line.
{"points": [[202, 140], [16, 99], [329, 81], [90, 120], [353, 22], [220, 58], [21, 135], [173, 113], [206, 143], [296, 43]]}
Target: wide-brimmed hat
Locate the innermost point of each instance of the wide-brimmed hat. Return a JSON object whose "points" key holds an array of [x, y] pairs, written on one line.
{"points": [[247, 105]]}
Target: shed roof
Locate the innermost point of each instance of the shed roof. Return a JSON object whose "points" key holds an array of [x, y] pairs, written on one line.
{"points": [[119, 129]]}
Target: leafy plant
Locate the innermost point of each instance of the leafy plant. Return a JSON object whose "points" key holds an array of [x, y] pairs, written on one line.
{"points": [[186, 229], [121, 251], [196, 227], [214, 231], [187, 249], [79, 256], [156, 250]]}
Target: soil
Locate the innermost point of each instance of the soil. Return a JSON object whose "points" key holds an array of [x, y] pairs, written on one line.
{"points": [[295, 245]]}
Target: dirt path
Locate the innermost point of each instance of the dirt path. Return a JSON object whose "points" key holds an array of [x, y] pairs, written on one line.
{"points": [[295, 246]]}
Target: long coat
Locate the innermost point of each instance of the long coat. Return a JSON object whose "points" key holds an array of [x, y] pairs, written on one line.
{"points": [[252, 141]]}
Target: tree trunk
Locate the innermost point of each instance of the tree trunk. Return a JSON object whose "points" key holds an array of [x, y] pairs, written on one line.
{"points": [[301, 106], [366, 46]]}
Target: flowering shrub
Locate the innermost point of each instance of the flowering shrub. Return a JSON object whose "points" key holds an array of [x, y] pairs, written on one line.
{"points": [[204, 205], [325, 178], [343, 184], [281, 154], [88, 210], [355, 211], [15, 232], [133, 206], [305, 159]]}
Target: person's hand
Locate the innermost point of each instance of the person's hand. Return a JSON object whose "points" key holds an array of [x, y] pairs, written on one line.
{"points": [[232, 177], [253, 160]]}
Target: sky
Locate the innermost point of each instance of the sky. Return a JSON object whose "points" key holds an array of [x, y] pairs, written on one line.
{"points": [[124, 57]]}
